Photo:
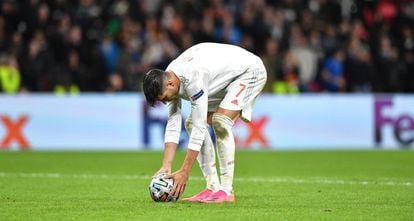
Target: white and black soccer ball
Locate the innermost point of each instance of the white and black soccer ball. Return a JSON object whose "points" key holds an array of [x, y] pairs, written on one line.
{"points": [[160, 188]]}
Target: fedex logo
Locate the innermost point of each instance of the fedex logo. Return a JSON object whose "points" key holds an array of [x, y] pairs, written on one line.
{"points": [[402, 124], [13, 131]]}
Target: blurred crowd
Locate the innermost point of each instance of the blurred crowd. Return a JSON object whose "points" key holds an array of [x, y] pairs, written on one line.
{"points": [[66, 46]]}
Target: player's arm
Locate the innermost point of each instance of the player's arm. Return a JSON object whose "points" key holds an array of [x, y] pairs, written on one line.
{"points": [[169, 153], [199, 102], [172, 136], [181, 176]]}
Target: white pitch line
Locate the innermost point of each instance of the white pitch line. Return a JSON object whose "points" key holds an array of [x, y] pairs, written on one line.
{"points": [[308, 180]]}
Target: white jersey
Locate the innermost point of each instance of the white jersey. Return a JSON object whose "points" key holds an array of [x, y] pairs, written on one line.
{"points": [[205, 71]]}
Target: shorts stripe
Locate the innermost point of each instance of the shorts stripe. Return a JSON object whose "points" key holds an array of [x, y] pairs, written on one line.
{"points": [[250, 87]]}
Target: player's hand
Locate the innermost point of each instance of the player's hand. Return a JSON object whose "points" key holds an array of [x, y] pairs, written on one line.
{"points": [[180, 181], [166, 170]]}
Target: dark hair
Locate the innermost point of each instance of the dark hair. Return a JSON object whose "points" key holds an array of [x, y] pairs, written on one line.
{"points": [[153, 85]]}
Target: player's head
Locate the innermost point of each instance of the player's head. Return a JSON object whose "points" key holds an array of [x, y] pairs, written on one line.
{"points": [[159, 86]]}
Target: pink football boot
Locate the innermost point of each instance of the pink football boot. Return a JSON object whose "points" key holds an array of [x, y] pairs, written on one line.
{"points": [[219, 197], [200, 196]]}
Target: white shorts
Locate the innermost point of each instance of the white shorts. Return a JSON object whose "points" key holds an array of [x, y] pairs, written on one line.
{"points": [[242, 92]]}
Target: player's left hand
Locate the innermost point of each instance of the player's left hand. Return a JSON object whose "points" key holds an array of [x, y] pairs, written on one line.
{"points": [[180, 180]]}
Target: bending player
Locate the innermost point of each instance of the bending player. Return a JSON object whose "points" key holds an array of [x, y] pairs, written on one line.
{"points": [[221, 82]]}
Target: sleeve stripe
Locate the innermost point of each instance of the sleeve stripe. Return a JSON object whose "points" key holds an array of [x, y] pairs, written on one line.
{"points": [[198, 95]]}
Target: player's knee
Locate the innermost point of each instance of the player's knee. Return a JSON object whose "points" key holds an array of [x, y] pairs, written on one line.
{"points": [[187, 124], [222, 125], [210, 118]]}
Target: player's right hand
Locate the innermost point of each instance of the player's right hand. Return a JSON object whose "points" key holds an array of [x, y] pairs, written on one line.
{"points": [[165, 170]]}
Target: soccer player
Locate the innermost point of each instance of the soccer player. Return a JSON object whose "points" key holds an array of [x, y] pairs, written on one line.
{"points": [[222, 82]]}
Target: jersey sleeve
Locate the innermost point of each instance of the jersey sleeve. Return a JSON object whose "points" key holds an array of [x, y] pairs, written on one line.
{"points": [[173, 128], [197, 90]]}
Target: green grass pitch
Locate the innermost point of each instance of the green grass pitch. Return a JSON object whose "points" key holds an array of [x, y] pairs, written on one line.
{"points": [[278, 185]]}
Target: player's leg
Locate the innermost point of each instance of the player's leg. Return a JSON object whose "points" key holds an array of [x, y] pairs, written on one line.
{"points": [[222, 122], [207, 161], [238, 102]]}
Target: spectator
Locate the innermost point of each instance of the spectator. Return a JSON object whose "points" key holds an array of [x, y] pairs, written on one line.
{"points": [[391, 70], [9, 75], [307, 59], [358, 67], [333, 73], [273, 63], [226, 31], [289, 76], [110, 51], [128, 65], [35, 61]]}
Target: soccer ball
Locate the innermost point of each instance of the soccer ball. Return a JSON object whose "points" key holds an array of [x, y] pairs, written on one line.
{"points": [[160, 188]]}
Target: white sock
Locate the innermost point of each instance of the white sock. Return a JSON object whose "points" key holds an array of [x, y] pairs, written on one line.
{"points": [[226, 149], [206, 160]]}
